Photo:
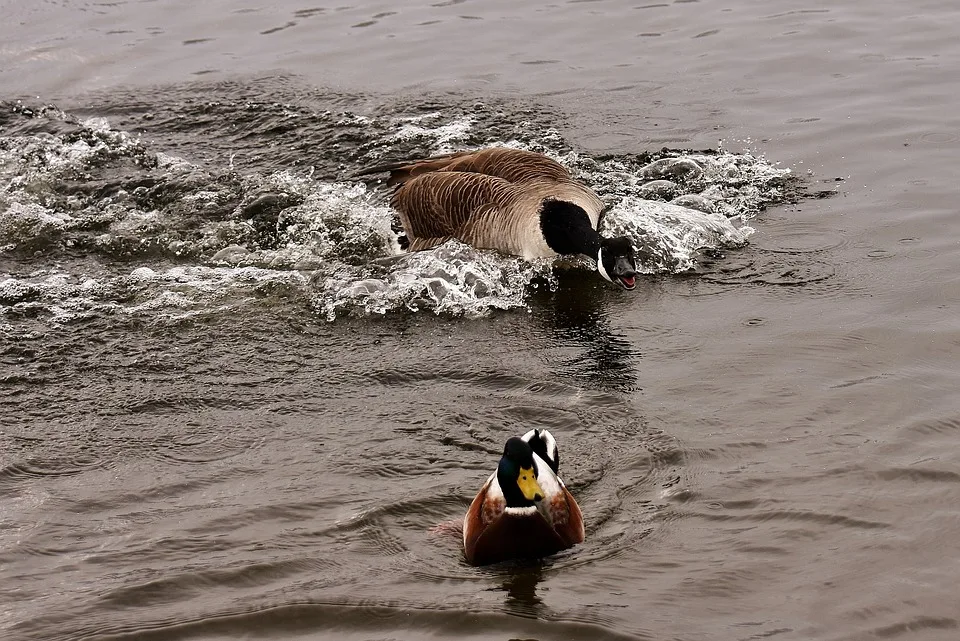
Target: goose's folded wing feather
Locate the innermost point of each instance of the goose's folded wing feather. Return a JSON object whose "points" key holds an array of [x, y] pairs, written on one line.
{"points": [[440, 204], [403, 170], [512, 165]]}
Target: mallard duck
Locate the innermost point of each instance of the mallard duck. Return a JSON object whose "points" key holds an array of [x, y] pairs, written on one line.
{"points": [[523, 510], [515, 201]]}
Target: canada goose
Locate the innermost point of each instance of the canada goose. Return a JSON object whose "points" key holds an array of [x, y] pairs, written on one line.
{"points": [[523, 510], [519, 202]]}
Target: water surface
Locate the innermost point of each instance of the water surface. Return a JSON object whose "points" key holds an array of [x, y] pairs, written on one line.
{"points": [[222, 419]]}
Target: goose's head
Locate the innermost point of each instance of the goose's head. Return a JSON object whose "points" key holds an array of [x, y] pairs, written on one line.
{"points": [[617, 261]]}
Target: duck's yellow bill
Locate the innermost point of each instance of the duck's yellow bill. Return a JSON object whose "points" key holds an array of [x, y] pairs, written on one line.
{"points": [[528, 485]]}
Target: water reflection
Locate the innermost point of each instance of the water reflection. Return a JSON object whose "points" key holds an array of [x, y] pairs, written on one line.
{"points": [[520, 583], [577, 313]]}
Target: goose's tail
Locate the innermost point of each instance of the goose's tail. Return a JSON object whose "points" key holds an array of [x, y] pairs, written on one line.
{"points": [[403, 170]]}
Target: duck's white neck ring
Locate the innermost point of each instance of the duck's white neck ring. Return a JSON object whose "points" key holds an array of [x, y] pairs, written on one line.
{"points": [[521, 511], [600, 267]]}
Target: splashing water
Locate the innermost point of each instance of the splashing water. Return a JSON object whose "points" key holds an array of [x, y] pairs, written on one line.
{"points": [[453, 278], [91, 191], [173, 294], [668, 237], [439, 137]]}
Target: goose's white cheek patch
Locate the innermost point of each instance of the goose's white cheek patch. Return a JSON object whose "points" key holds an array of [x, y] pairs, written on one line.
{"points": [[600, 267]]}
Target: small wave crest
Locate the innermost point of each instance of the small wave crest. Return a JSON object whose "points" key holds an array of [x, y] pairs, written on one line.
{"points": [[173, 294]]}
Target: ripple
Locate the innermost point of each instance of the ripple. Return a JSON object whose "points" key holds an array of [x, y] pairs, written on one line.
{"points": [[16, 472], [419, 374], [915, 474], [357, 621], [722, 583], [940, 137], [937, 426], [163, 550], [282, 27], [859, 381], [204, 443], [911, 627], [822, 518], [429, 509], [798, 275], [731, 451], [799, 238], [192, 584], [766, 270], [378, 541]]}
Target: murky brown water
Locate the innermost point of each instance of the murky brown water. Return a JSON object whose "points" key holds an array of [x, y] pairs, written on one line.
{"points": [[764, 448]]}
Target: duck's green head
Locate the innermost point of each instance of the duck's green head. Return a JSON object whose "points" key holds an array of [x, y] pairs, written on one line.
{"points": [[517, 475]]}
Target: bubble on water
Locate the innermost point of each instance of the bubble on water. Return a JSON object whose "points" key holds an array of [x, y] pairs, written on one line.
{"points": [[328, 222], [30, 223]]}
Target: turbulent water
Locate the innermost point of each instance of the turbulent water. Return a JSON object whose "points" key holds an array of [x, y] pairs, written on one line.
{"points": [[129, 221]]}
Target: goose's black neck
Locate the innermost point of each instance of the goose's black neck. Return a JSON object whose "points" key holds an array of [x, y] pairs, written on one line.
{"points": [[567, 230]]}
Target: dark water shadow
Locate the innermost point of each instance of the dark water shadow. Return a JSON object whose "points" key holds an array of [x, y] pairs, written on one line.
{"points": [[578, 313], [520, 583]]}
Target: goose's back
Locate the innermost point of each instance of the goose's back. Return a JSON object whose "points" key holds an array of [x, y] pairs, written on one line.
{"points": [[536, 176], [513, 165], [490, 199]]}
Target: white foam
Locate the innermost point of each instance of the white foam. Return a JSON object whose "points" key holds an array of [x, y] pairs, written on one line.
{"points": [[442, 135], [174, 164], [453, 278], [24, 222], [672, 234], [177, 292], [208, 279]]}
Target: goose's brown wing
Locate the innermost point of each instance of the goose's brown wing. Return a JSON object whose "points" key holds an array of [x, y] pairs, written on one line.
{"points": [[403, 170], [512, 165], [420, 244], [440, 204]]}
